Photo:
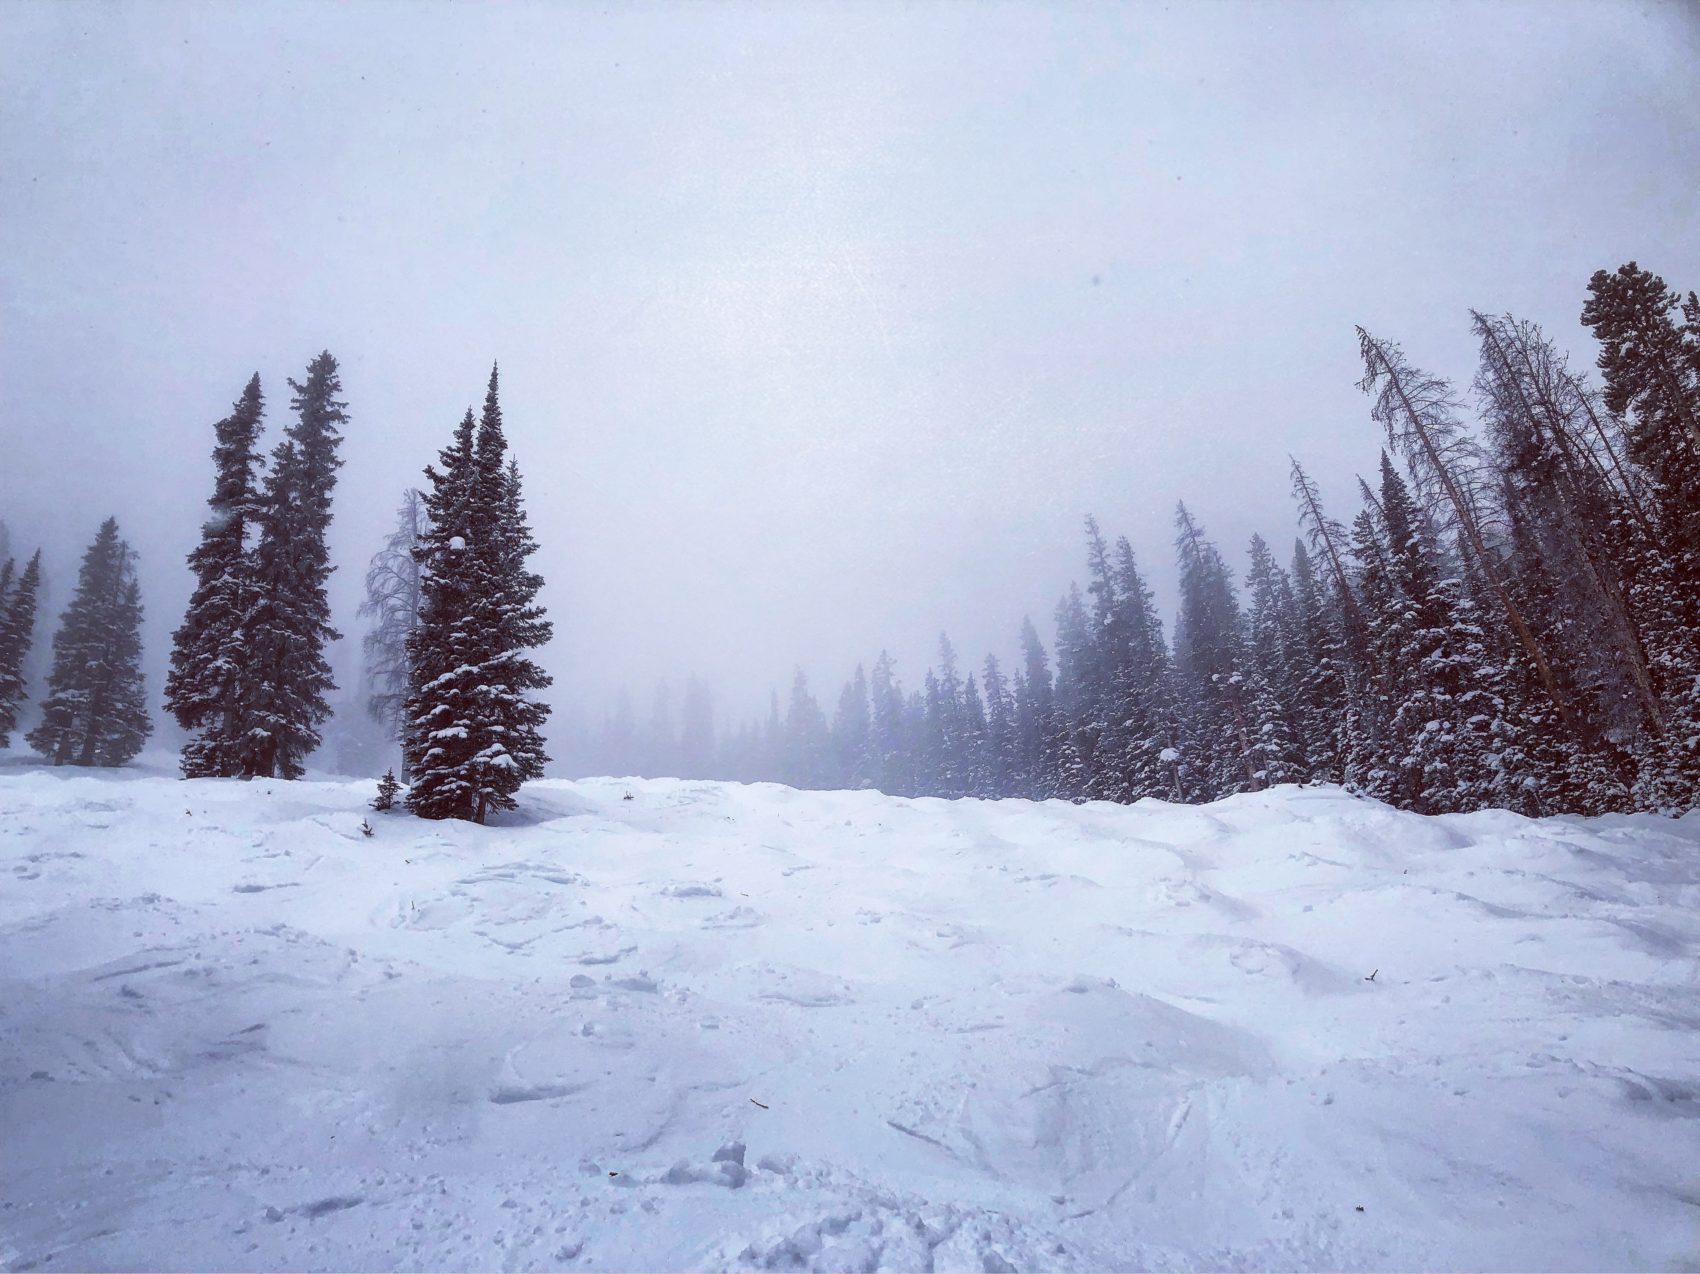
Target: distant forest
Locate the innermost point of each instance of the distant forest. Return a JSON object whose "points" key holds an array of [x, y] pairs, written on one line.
{"points": [[1511, 619]]}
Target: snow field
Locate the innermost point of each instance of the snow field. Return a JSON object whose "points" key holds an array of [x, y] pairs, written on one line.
{"points": [[727, 1027]]}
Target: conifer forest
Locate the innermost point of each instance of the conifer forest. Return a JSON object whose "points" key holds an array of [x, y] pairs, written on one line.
{"points": [[1509, 618]]}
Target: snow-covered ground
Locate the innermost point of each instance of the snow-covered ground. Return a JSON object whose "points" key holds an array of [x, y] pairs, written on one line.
{"points": [[719, 1026]]}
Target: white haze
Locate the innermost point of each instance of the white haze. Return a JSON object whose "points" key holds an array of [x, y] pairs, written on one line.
{"points": [[821, 326]]}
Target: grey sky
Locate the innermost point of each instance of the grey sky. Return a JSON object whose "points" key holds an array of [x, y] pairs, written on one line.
{"points": [[821, 326]]}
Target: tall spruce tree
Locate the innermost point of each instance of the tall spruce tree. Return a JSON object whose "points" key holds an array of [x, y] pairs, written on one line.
{"points": [[473, 733], [392, 607], [1273, 652], [1210, 659], [1651, 367], [852, 728], [204, 689], [17, 634], [283, 699], [96, 712]]}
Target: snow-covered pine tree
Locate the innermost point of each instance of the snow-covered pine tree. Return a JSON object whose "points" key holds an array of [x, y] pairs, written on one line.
{"points": [[209, 656], [1144, 685], [17, 634], [1576, 528], [1000, 730], [1210, 659], [473, 731], [1071, 739], [1320, 681], [808, 757], [388, 786], [1035, 712], [392, 605], [1420, 414], [888, 744], [851, 729], [283, 699], [1445, 724], [1101, 725], [1651, 368], [96, 712], [975, 749], [1272, 654]]}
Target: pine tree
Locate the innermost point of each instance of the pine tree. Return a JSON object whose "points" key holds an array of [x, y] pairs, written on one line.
{"points": [[1320, 687], [1001, 742], [1651, 368], [1420, 414], [473, 729], [1272, 655], [283, 699], [1210, 658], [95, 712], [888, 739], [1146, 710], [852, 727], [210, 658], [17, 634], [392, 604], [1035, 710], [808, 759], [388, 786], [975, 749], [1072, 737]]}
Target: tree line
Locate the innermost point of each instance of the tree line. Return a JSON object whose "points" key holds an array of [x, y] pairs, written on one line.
{"points": [[249, 679], [1510, 619]]}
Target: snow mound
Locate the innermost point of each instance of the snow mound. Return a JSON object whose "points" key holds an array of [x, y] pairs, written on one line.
{"points": [[743, 1027]]}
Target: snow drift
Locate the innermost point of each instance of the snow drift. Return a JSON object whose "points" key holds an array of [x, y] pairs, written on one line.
{"points": [[722, 1027]]}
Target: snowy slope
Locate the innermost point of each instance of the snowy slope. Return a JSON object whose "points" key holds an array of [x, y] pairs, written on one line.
{"points": [[236, 1033]]}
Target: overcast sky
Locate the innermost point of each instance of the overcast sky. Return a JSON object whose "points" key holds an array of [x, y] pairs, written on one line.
{"points": [[821, 326]]}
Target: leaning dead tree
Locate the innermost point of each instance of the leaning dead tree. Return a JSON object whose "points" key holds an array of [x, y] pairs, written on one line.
{"points": [[1420, 413]]}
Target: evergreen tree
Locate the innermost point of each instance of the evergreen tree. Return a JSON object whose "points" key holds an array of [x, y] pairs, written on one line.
{"points": [[392, 605], [1146, 711], [205, 689], [1651, 368], [1001, 742], [852, 728], [387, 789], [885, 713], [1320, 674], [975, 750], [1273, 654], [283, 695], [17, 634], [1210, 658], [473, 729], [807, 760], [1038, 733], [95, 712]]}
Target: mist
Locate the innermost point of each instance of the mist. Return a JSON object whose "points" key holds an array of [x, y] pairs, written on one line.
{"points": [[821, 327]]}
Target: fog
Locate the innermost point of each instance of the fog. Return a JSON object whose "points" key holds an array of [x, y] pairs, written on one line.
{"points": [[821, 327]]}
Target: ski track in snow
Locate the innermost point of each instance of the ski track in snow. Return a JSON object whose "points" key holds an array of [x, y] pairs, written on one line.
{"points": [[735, 1027]]}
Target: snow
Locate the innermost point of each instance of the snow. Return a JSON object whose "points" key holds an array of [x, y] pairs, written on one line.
{"points": [[721, 1027]]}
